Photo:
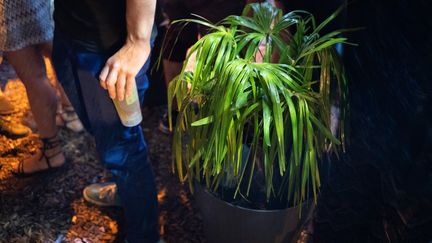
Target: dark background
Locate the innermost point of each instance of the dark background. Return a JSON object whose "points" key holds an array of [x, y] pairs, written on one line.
{"points": [[381, 189]]}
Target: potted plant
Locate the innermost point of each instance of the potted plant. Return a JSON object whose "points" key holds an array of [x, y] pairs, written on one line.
{"points": [[253, 132]]}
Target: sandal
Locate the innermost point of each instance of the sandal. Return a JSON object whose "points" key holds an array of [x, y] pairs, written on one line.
{"points": [[48, 143], [69, 119]]}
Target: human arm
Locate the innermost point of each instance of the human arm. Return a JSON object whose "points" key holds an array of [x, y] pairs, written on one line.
{"points": [[118, 74]]}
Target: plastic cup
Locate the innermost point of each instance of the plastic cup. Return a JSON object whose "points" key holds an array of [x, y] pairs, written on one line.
{"points": [[129, 109]]}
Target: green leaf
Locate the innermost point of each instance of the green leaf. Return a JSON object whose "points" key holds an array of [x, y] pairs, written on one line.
{"points": [[280, 110], [324, 130], [203, 121], [267, 117]]}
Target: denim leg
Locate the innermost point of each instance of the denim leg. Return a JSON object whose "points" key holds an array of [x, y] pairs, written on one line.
{"points": [[123, 150]]}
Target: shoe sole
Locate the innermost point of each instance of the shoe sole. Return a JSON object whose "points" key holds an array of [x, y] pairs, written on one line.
{"points": [[48, 171], [13, 135]]}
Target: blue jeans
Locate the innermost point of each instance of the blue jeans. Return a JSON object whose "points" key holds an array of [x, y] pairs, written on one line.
{"points": [[121, 149]]}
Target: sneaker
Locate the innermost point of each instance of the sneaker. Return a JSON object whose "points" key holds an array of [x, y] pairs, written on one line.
{"points": [[102, 194], [164, 122], [11, 129]]}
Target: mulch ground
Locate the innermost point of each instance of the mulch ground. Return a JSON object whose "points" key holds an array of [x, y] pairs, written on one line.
{"points": [[50, 207]]}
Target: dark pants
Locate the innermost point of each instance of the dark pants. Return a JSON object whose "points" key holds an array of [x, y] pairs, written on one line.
{"points": [[121, 149]]}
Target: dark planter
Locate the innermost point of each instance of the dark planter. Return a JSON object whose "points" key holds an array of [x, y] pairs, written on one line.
{"points": [[226, 223]]}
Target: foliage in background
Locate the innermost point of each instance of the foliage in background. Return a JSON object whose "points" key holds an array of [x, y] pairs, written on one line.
{"points": [[279, 107]]}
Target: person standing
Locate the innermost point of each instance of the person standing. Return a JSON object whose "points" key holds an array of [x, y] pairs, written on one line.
{"points": [[25, 31], [101, 50]]}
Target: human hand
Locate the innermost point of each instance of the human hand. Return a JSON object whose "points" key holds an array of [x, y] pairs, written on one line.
{"points": [[119, 72]]}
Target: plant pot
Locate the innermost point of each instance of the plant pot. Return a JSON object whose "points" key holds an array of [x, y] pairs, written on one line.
{"points": [[226, 223]]}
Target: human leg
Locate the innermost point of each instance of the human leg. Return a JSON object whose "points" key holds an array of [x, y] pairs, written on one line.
{"points": [[29, 66], [124, 152], [66, 116], [121, 149]]}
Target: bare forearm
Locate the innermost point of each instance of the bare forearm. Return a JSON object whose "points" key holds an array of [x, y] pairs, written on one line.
{"points": [[139, 19], [119, 72]]}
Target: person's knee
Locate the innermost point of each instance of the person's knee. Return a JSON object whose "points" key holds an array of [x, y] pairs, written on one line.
{"points": [[123, 149], [28, 64]]}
